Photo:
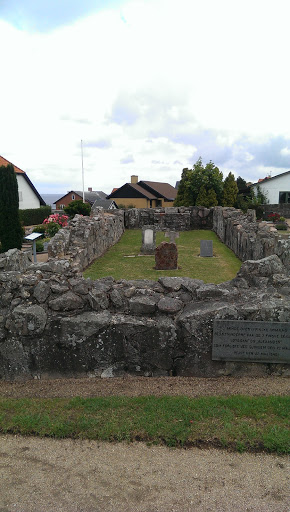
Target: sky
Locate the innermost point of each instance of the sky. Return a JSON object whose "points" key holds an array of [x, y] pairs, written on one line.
{"points": [[148, 86]]}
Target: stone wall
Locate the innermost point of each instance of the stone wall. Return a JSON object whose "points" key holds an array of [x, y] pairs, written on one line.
{"points": [[87, 238], [55, 323], [248, 239], [282, 209], [179, 219], [15, 260]]}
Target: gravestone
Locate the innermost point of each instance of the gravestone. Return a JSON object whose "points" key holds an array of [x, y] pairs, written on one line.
{"points": [[263, 342], [172, 236], [166, 256], [206, 248], [148, 240]]}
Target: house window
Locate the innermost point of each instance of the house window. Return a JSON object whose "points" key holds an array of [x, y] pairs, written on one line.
{"points": [[61, 206], [73, 197], [20, 196], [284, 197], [158, 202]]}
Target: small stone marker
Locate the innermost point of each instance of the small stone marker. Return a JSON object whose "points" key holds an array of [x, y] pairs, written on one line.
{"points": [[263, 342], [206, 248], [172, 236], [148, 240], [166, 256]]}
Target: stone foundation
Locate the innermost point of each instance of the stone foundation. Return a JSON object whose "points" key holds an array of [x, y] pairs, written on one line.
{"points": [[55, 323]]}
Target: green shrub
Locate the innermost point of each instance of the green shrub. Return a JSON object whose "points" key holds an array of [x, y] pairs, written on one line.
{"points": [[41, 228], [39, 245], [281, 227], [33, 216], [282, 219], [77, 207], [52, 228]]}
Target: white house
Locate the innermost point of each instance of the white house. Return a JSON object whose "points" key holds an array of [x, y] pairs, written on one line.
{"points": [[28, 195], [276, 189]]}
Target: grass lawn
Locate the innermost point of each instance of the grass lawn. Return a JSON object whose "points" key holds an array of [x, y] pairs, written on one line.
{"points": [[240, 423], [122, 261]]}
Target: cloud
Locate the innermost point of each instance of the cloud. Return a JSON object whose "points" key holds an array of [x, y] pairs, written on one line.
{"points": [[127, 159], [36, 15], [125, 110], [99, 143]]}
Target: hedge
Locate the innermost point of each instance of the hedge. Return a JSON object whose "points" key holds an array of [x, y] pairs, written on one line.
{"points": [[34, 216]]}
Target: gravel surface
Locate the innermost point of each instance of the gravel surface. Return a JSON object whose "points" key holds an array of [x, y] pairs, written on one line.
{"points": [[131, 386], [47, 475]]}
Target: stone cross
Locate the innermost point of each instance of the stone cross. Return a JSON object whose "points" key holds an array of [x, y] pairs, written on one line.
{"points": [[172, 236]]}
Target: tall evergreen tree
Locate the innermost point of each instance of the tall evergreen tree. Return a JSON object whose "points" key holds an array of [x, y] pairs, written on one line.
{"points": [[230, 191], [183, 197], [11, 233], [209, 177]]}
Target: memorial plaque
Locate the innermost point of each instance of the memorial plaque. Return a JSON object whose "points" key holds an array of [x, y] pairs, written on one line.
{"points": [[263, 342], [206, 248]]}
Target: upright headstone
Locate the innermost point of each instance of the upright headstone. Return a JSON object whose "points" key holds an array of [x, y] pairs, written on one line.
{"points": [[148, 240], [206, 248], [172, 236], [166, 256]]}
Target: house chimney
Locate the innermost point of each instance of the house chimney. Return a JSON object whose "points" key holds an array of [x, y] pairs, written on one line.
{"points": [[90, 189], [134, 179]]}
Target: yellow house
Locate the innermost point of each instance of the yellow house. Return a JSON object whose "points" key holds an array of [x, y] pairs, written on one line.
{"points": [[144, 194]]}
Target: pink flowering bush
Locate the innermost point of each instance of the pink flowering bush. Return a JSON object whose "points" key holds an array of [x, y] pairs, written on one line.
{"points": [[53, 223], [57, 219]]}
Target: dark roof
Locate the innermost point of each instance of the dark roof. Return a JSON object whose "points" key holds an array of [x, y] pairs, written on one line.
{"points": [[104, 203], [270, 178], [17, 170], [42, 202], [131, 190], [160, 189], [90, 197]]}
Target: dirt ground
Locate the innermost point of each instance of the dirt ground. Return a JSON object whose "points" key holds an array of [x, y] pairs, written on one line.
{"points": [[47, 475]]}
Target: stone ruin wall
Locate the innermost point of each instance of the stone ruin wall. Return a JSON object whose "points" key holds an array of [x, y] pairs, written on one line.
{"points": [[87, 238], [283, 209], [181, 218], [248, 239], [55, 323]]}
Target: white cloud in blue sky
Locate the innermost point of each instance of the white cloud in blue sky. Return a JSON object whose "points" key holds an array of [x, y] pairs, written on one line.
{"points": [[147, 85], [40, 16]]}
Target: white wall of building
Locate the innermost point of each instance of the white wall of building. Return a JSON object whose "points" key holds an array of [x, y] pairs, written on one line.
{"points": [[27, 197], [272, 187]]}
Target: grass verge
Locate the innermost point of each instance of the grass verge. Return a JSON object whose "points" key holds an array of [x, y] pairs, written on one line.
{"points": [[122, 261], [239, 423]]}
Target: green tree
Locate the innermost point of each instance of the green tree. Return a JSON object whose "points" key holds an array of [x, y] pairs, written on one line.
{"points": [[77, 207], [183, 197], [209, 177], [206, 198], [230, 191], [11, 232], [256, 200]]}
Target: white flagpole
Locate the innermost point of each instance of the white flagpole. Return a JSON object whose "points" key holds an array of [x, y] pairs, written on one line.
{"points": [[83, 173]]}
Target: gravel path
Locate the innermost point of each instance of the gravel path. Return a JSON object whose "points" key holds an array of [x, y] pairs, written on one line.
{"points": [[131, 386], [47, 475]]}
